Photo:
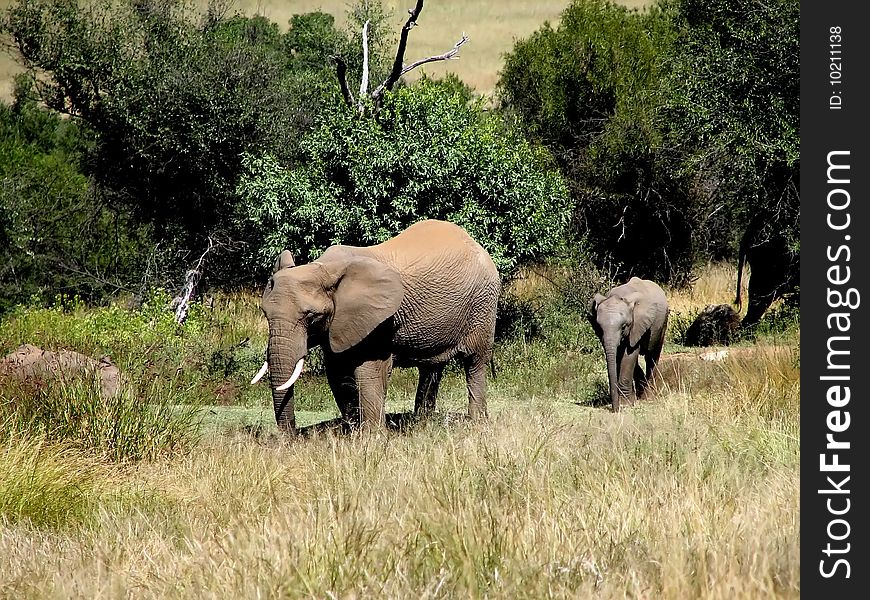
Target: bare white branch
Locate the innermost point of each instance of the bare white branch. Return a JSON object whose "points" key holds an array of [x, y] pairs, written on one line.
{"points": [[181, 303], [398, 69], [446, 56], [364, 83]]}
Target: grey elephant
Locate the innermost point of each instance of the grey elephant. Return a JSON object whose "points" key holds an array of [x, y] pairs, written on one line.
{"points": [[630, 321], [422, 298]]}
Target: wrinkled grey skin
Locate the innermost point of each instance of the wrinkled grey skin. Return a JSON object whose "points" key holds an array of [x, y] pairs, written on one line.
{"points": [[630, 321], [420, 299]]}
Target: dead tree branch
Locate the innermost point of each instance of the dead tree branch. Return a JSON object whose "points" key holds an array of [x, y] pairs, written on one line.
{"points": [[446, 56], [364, 83], [398, 62], [341, 71], [399, 68], [181, 303]]}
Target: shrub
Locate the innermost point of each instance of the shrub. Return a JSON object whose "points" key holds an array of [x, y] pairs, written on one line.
{"points": [[176, 96], [428, 153], [46, 202], [590, 89]]}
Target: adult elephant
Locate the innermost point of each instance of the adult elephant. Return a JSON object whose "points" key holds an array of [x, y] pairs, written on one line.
{"points": [[420, 299], [630, 322]]}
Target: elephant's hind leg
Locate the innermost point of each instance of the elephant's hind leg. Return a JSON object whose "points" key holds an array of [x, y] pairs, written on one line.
{"points": [[427, 389], [655, 353], [475, 378]]}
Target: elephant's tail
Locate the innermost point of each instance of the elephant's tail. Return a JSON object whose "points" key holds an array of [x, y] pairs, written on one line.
{"points": [[492, 366]]}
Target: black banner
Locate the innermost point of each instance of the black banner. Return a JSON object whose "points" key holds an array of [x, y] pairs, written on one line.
{"points": [[835, 228]]}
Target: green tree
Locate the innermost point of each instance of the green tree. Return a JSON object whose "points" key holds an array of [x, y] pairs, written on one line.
{"points": [[46, 203], [176, 97], [590, 89], [734, 118], [427, 153]]}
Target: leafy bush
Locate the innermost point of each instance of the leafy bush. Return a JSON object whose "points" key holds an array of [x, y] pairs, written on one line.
{"points": [[109, 329], [46, 202], [176, 96], [428, 153], [210, 358]]}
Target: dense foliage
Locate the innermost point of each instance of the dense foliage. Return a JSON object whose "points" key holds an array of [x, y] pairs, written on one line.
{"points": [[46, 202], [670, 136], [429, 153], [734, 115], [589, 89], [677, 127], [176, 97]]}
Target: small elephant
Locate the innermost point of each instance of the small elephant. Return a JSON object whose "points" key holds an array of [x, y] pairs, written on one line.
{"points": [[630, 321], [420, 299]]}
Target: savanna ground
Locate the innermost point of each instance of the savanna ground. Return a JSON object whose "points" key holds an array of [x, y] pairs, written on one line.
{"points": [[691, 493], [492, 27]]}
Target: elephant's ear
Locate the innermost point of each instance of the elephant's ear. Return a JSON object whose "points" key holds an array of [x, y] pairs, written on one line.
{"points": [[594, 301], [368, 293], [284, 260], [643, 315], [592, 312]]}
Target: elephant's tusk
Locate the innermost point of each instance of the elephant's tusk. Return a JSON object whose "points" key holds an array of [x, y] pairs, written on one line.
{"points": [[296, 373], [260, 373]]}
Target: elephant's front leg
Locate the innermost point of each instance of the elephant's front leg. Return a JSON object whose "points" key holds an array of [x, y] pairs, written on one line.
{"points": [[342, 382], [371, 383], [427, 389], [626, 374]]}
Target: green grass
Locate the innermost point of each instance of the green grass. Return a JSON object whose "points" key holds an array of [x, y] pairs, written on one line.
{"points": [[131, 426], [44, 484]]}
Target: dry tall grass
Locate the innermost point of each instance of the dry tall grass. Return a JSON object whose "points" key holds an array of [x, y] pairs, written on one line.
{"points": [[659, 502], [717, 285], [689, 494]]}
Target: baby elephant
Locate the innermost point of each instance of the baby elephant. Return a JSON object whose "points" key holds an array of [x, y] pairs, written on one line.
{"points": [[630, 321]]}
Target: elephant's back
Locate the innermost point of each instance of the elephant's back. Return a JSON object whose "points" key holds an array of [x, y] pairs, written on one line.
{"points": [[433, 246], [451, 287], [648, 288]]}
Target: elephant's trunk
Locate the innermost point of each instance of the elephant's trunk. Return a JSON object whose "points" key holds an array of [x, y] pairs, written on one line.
{"points": [[610, 349], [284, 355]]}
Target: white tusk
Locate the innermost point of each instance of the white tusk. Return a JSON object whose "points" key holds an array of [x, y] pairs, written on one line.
{"points": [[296, 373], [260, 373]]}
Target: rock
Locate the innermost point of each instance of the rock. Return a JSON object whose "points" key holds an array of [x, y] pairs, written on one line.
{"points": [[29, 362], [713, 355], [716, 325]]}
